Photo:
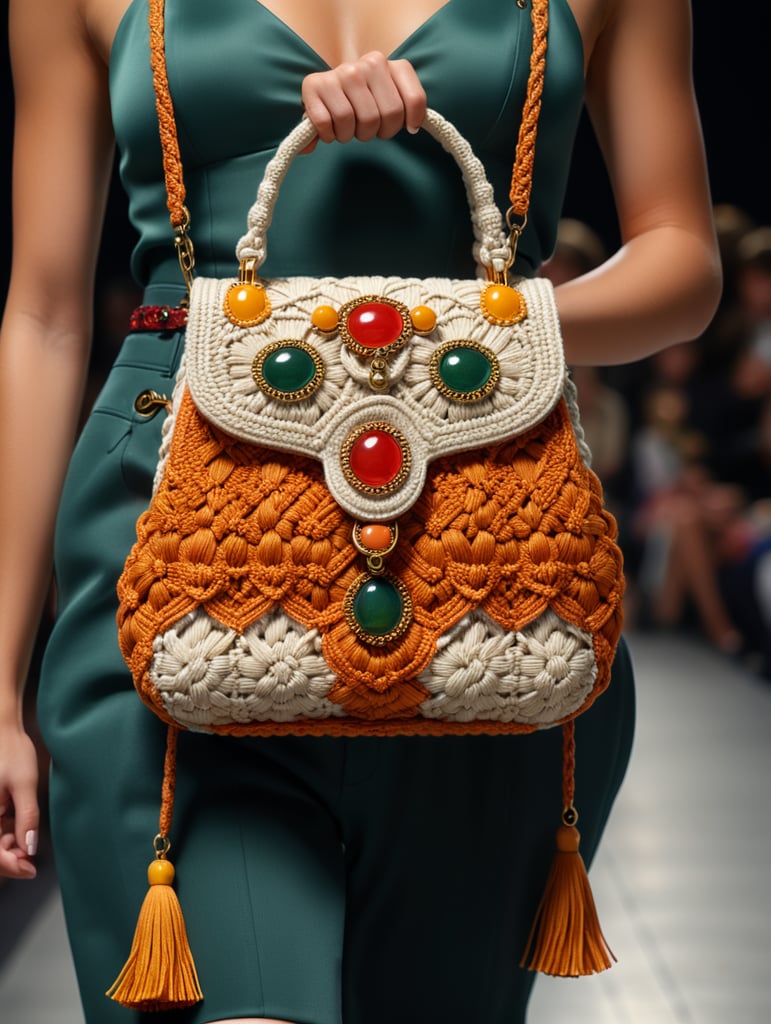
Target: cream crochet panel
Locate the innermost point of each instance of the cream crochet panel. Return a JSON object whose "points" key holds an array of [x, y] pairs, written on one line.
{"points": [[208, 675]]}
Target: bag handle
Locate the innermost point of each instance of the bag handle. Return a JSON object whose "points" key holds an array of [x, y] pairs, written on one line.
{"points": [[492, 247], [522, 170]]}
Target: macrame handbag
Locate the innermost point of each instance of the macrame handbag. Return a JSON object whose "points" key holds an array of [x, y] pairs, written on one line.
{"points": [[372, 515]]}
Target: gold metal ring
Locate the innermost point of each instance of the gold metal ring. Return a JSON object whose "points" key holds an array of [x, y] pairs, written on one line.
{"points": [[161, 845], [570, 816]]}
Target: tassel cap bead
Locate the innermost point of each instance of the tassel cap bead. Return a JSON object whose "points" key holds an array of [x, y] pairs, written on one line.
{"points": [[568, 839], [160, 872]]}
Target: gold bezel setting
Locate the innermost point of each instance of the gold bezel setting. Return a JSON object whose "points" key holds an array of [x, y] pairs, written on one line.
{"points": [[464, 396], [375, 639], [492, 317], [366, 351], [288, 396], [233, 317], [370, 552], [345, 458]]}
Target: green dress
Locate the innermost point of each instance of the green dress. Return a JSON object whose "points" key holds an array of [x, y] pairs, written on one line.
{"points": [[322, 880]]}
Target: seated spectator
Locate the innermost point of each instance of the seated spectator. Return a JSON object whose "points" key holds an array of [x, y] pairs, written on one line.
{"points": [[753, 376], [681, 522]]}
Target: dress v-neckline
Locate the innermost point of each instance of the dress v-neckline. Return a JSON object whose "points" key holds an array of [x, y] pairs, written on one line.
{"points": [[312, 49], [296, 35]]}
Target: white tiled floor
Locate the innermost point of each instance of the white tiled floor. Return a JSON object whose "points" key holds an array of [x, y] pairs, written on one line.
{"points": [[681, 881], [682, 877]]}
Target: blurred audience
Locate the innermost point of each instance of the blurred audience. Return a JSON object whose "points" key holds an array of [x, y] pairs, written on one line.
{"points": [[683, 446], [679, 520]]}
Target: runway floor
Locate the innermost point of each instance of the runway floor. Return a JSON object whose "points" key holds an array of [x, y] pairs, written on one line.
{"points": [[681, 881]]}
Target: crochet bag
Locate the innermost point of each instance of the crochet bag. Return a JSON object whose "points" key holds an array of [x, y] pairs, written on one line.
{"points": [[372, 515]]}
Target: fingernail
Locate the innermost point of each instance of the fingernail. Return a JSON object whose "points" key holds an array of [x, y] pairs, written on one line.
{"points": [[413, 131], [31, 841]]}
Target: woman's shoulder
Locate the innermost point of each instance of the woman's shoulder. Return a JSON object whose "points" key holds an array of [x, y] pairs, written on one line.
{"points": [[599, 22], [79, 27], [88, 26]]}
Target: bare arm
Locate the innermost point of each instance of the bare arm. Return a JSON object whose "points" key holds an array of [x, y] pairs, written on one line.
{"points": [[663, 285], [62, 156]]}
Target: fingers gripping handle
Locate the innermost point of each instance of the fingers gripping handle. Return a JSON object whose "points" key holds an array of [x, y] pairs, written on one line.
{"points": [[492, 249]]}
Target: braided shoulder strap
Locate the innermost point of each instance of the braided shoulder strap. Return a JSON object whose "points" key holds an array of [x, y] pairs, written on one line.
{"points": [[522, 170]]}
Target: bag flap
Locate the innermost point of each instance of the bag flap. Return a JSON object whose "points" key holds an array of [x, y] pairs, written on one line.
{"points": [[220, 359]]}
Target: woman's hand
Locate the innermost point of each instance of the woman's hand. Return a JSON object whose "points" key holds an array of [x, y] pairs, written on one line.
{"points": [[19, 816], [370, 98]]}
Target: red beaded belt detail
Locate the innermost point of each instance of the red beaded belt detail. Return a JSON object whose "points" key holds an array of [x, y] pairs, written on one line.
{"points": [[158, 318]]}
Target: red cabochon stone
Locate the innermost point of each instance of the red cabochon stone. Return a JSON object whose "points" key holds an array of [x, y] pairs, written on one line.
{"points": [[375, 324], [376, 458]]}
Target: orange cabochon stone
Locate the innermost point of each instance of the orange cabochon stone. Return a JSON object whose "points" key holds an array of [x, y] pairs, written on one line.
{"points": [[246, 304], [376, 536], [502, 304], [423, 319], [325, 319]]}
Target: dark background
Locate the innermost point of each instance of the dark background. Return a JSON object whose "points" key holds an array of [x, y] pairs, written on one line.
{"points": [[732, 54]]}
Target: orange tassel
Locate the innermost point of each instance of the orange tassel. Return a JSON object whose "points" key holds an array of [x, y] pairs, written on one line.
{"points": [[159, 973], [566, 939]]}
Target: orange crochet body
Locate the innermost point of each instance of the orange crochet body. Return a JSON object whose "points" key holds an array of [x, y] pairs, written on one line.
{"points": [[514, 529]]}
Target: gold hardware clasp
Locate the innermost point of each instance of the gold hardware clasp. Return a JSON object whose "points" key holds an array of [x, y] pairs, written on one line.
{"points": [[516, 227], [149, 402], [247, 271], [185, 251], [499, 276]]}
